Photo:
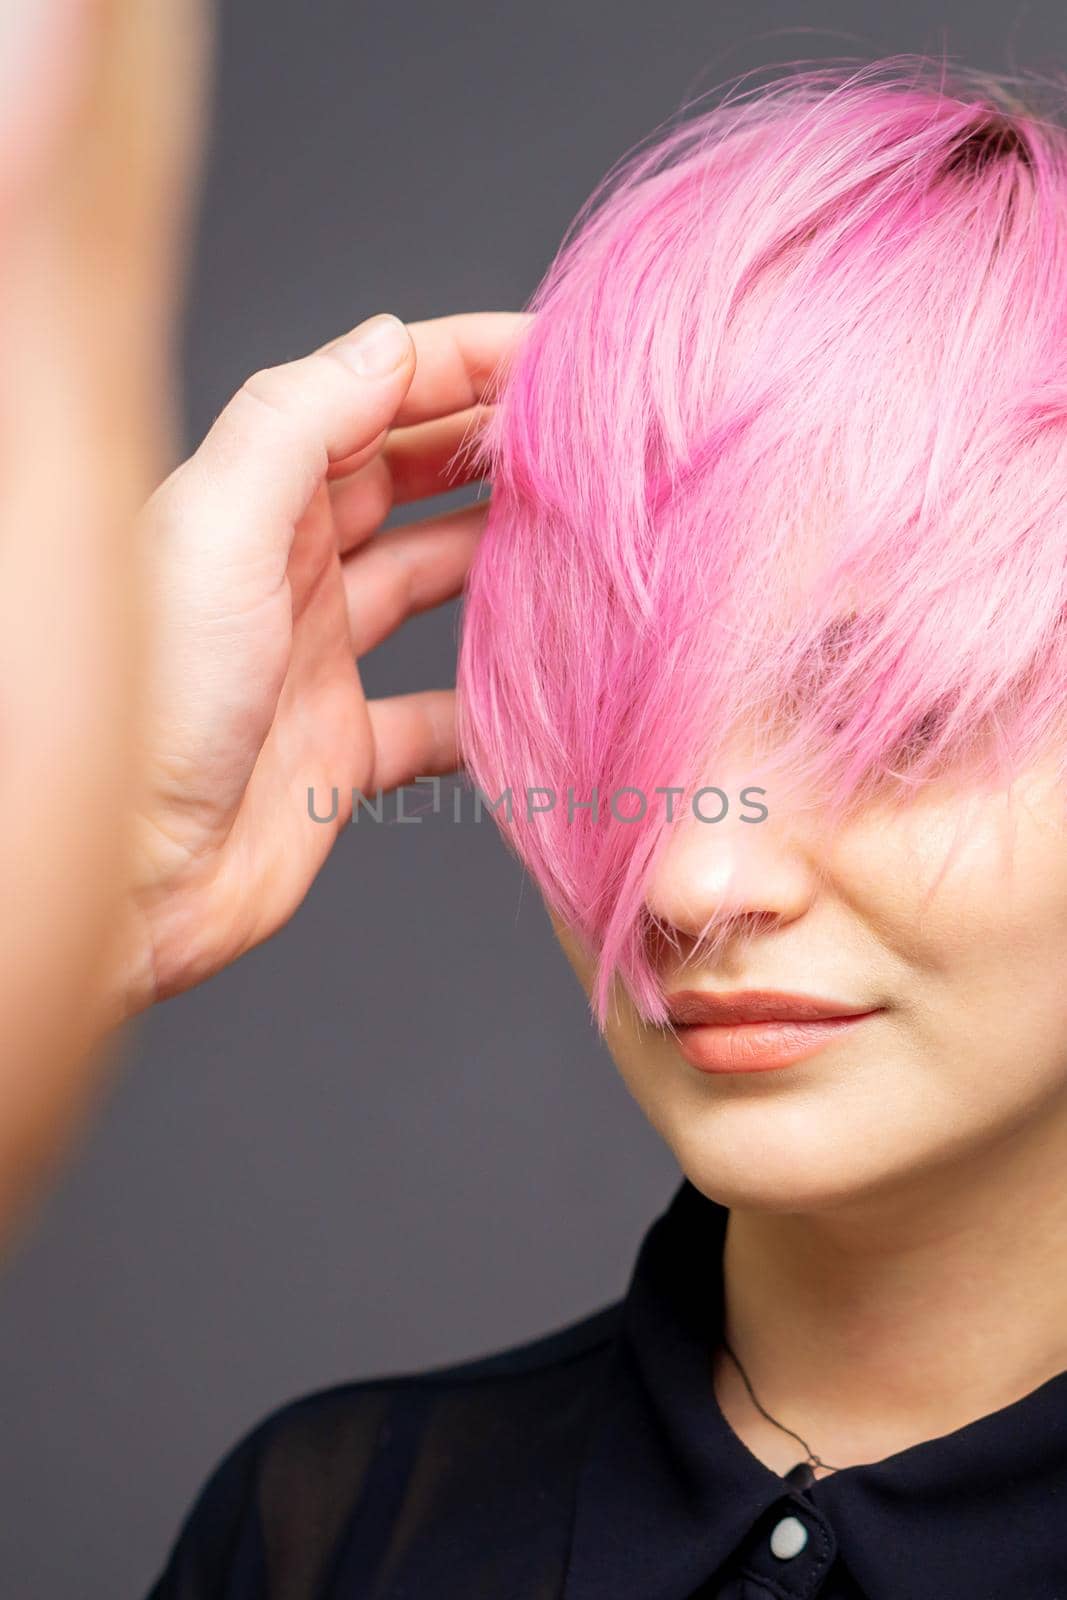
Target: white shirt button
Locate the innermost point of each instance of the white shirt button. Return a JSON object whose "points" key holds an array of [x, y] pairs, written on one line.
{"points": [[789, 1538]]}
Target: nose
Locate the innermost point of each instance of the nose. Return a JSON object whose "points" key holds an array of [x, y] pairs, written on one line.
{"points": [[755, 874]]}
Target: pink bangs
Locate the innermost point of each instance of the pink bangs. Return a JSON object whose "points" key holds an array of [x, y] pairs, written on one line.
{"points": [[783, 453]]}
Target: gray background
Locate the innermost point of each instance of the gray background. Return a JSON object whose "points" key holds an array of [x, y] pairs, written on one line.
{"points": [[390, 1138]]}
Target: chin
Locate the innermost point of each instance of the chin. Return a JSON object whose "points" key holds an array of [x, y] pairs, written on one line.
{"points": [[763, 1162]]}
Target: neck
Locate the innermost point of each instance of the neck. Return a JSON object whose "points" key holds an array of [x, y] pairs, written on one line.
{"points": [[904, 1314]]}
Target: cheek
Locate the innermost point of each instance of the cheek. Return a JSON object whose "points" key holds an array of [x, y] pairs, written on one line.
{"points": [[960, 886], [1008, 953], [976, 918]]}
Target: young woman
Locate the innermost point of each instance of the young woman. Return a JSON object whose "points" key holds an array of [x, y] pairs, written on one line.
{"points": [[775, 571]]}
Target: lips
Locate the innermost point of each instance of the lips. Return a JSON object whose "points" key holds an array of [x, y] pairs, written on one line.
{"points": [[698, 1008], [758, 1030]]}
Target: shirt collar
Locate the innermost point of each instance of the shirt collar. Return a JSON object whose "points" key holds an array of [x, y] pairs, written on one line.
{"points": [[668, 1492]]}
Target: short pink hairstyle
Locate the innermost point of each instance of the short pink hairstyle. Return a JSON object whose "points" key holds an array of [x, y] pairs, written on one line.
{"points": [[784, 449]]}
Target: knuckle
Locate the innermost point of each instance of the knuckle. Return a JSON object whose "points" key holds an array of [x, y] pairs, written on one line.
{"points": [[167, 502], [267, 385], [272, 407]]}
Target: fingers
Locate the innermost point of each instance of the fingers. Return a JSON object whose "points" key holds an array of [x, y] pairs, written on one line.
{"points": [[422, 458], [229, 513], [414, 737], [461, 361], [425, 459], [242, 493], [407, 570]]}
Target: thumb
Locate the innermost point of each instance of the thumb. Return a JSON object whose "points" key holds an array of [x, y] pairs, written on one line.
{"points": [[232, 508]]}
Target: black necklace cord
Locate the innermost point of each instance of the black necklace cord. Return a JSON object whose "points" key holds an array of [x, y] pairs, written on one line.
{"points": [[813, 1459]]}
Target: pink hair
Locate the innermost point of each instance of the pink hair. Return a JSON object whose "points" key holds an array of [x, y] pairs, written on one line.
{"points": [[783, 448]]}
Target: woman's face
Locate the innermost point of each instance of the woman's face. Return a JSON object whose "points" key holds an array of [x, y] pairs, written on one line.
{"points": [[970, 1046]]}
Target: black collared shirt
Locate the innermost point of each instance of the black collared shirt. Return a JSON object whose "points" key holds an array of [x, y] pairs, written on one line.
{"points": [[595, 1464]]}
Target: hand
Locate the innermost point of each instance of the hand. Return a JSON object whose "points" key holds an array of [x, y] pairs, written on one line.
{"points": [[269, 586]]}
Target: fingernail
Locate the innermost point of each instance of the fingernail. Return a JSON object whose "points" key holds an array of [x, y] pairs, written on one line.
{"points": [[377, 346]]}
